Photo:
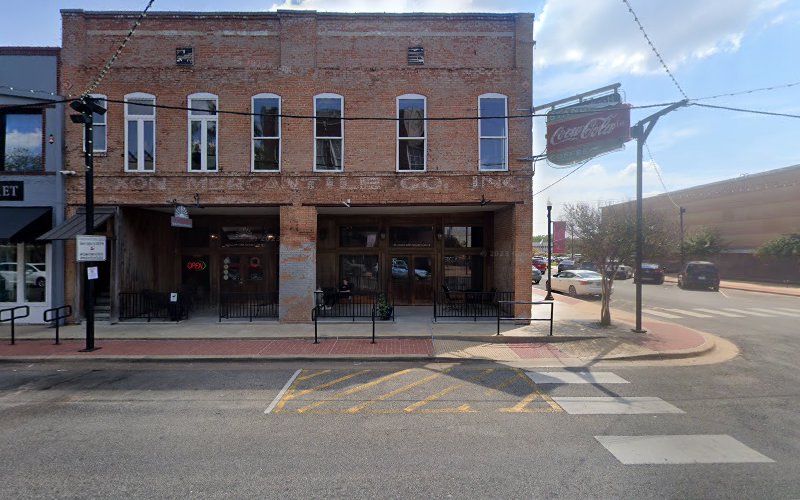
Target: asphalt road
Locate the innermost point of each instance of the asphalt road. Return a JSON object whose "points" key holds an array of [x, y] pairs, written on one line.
{"points": [[394, 430]]}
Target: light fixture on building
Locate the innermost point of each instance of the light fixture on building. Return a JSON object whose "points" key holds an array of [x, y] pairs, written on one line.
{"points": [[438, 235], [484, 201], [270, 237], [51, 139], [346, 203], [382, 234]]}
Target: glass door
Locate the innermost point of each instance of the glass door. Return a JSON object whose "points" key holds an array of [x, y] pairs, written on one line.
{"points": [[411, 279]]}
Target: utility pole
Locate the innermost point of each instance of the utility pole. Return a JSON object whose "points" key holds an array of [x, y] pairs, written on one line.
{"points": [[640, 132], [87, 106], [549, 295], [683, 250]]}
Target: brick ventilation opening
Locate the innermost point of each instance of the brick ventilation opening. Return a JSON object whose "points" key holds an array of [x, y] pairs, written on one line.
{"points": [[416, 55]]}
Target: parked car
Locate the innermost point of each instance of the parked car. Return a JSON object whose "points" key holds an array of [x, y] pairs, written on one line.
{"points": [[652, 273], [623, 272], [577, 282], [589, 266], [540, 263], [566, 264], [537, 275], [699, 274], [34, 273]]}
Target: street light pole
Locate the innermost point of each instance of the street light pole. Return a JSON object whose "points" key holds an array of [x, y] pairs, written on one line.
{"points": [[549, 295]]}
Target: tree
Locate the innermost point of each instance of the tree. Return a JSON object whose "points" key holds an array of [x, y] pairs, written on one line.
{"points": [[703, 242], [608, 238], [785, 245]]}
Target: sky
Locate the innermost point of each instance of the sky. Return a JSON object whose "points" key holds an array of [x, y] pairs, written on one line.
{"points": [[710, 47]]}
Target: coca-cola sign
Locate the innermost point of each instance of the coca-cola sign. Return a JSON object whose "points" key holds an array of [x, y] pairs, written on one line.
{"points": [[579, 132]]}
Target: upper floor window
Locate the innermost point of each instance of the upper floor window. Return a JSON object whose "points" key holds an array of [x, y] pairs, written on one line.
{"points": [[493, 125], [411, 133], [328, 132], [266, 133], [21, 141], [140, 132], [203, 132], [98, 125]]}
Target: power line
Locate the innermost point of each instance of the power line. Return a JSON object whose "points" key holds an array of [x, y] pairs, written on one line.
{"points": [[111, 61], [564, 177], [655, 167], [751, 91], [742, 110], [655, 51]]}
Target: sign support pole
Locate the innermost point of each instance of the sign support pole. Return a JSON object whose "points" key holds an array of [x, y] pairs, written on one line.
{"points": [[88, 288], [640, 132]]}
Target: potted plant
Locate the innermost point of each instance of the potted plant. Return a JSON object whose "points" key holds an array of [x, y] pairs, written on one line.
{"points": [[383, 310]]}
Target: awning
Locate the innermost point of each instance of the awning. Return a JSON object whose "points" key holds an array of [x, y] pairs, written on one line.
{"points": [[76, 224], [22, 224]]}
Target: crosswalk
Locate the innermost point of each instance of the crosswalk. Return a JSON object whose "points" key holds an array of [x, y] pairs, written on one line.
{"points": [[723, 312], [657, 449]]}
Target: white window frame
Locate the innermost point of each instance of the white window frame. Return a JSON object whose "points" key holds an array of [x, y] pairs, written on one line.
{"points": [[253, 138], [424, 137], [204, 119], [21, 282], [341, 137], [104, 117], [139, 119], [504, 138]]}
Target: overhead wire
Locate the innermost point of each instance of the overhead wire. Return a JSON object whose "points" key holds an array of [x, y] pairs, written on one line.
{"points": [[658, 173], [750, 91], [742, 110]]}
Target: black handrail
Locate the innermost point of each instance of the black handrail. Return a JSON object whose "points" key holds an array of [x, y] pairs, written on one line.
{"points": [[248, 305], [61, 312], [14, 317], [467, 304], [514, 318], [345, 305]]}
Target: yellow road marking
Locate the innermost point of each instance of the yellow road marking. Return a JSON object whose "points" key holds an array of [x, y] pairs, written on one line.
{"points": [[354, 390], [358, 408], [291, 394], [503, 384], [312, 375], [521, 407], [460, 409], [446, 390]]}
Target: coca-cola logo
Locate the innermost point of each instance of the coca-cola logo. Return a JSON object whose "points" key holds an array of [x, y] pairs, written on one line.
{"points": [[595, 128]]}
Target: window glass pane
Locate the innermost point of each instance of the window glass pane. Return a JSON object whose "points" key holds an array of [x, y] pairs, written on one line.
{"points": [[195, 237], [266, 154], [411, 113], [366, 236], [23, 139], [412, 154], [330, 111], [99, 137], [361, 271], [493, 154], [463, 272], [97, 118], [419, 236], [493, 127], [133, 145], [400, 268], [329, 154], [149, 145], [141, 107], [463, 236], [203, 107], [196, 139], [8, 273], [35, 272], [265, 121], [211, 145]]}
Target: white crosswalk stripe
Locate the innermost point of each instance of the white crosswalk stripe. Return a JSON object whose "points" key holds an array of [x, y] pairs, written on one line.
{"points": [[719, 313], [662, 314], [605, 405], [750, 312], [782, 313], [788, 309], [685, 449], [688, 313], [584, 377]]}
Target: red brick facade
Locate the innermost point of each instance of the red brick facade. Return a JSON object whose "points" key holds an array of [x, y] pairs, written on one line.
{"points": [[297, 55]]}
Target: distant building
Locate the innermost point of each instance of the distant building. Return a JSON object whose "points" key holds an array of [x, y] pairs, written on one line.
{"points": [[31, 188], [746, 212], [283, 206]]}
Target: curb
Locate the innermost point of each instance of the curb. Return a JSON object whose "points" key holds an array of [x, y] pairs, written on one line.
{"points": [[694, 352]]}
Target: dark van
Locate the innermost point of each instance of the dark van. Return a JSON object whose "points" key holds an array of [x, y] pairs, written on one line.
{"points": [[699, 274]]}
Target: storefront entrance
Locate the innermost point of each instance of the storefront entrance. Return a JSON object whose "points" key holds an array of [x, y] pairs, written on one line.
{"points": [[411, 279]]}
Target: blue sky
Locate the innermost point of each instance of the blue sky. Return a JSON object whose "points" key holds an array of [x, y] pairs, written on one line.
{"points": [[711, 47]]}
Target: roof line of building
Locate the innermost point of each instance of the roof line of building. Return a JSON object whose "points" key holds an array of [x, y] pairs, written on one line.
{"points": [[284, 12], [732, 180], [29, 51]]}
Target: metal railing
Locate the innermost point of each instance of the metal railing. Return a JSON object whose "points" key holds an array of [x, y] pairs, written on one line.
{"points": [[350, 306], [467, 304], [153, 305], [12, 312], [57, 314], [510, 317], [239, 305]]}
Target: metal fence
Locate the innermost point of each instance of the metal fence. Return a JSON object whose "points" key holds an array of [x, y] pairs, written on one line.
{"points": [[151, 305], [252, 306], [466, 304]]}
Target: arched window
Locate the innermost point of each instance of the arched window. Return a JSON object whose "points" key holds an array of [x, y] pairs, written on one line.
{"points": [[412, 132], [203, 151], [140, 132], [266, 138]]}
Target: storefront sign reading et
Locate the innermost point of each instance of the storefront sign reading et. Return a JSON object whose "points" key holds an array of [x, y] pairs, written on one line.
{"points": [[90, 248]]}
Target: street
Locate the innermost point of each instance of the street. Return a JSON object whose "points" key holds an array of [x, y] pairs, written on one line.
{"points": [[336, 429]]}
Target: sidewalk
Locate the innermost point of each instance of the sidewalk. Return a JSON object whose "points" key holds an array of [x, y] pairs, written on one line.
{"points": [[776, 289], [578, 340]]}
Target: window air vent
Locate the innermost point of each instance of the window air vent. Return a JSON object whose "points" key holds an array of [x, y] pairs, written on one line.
{"points": [[184, 56], [416, 55]]}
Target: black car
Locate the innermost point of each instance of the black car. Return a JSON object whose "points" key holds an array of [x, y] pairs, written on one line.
{"points": [[652, 273], [589, 266], [566, 264], [699, 274]]}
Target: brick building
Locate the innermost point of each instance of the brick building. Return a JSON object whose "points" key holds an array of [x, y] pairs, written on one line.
{"points": [[214, 112]]}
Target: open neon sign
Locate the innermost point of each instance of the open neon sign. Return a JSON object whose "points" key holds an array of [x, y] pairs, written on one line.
{"points": [[196, 265]]}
